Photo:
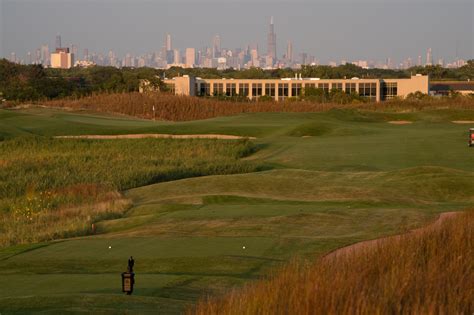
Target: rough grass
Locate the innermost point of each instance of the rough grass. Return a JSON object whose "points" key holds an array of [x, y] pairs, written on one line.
{"points": [[430, 272], [182, 108], [52, 188]]}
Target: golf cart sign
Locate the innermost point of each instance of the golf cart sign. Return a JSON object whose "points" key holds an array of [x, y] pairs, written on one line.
{"points": [[128, 278]]}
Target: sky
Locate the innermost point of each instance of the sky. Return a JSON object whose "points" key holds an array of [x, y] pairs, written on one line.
{"points": [[330, 30]]}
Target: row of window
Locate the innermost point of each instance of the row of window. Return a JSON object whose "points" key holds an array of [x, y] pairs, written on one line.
{"points": [[369, 90]]}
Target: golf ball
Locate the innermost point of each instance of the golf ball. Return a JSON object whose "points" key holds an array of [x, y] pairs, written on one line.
{"points": [[243, 247], [110, 247]]}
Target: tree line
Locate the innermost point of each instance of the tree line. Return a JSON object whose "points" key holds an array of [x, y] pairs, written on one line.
{"points": [[34, 82]]}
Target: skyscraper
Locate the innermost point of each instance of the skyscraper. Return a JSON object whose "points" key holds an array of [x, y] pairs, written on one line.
{"points": [[271, 42], [58, 41], [429, 58], [168, 42], [216, 46], [289, 51], [45, 55], [190, 57]]}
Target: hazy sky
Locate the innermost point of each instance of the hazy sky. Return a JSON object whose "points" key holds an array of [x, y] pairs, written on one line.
{"points": [[329, 30]]}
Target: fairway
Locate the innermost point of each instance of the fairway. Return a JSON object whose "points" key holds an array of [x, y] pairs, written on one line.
{"points": [[330, 179]]}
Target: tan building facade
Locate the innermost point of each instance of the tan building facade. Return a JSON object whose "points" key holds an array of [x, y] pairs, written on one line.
{"points": [[62, 58], [280, 89]]}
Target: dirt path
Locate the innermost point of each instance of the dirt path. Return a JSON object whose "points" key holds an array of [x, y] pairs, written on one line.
{"points": [[156, 135], [367, 244]]}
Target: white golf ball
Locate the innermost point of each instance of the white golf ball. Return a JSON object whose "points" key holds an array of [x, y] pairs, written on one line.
{"points": [[243, 247], [110, 247]]}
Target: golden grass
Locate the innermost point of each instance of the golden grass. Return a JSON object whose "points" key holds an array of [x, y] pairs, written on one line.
{"points": [[183, 108], [430, 271], [63, 222]]}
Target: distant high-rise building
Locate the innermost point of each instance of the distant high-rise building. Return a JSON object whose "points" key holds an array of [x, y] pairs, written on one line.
{"points": [[177, 57], [29, 58], [419, 61], [190, 57], [216, 46], [304, 58], [289, 51], [254, 58], [58, 41], [86, 54], [429, 58], [38, 56], [168, 43], [271, 42], [45, 56], [13, 57], [74, 50], [62, 58]]}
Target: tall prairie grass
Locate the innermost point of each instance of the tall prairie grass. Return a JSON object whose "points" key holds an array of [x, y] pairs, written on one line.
{"points": [[426, 272], [183, 108], [52, 188]]}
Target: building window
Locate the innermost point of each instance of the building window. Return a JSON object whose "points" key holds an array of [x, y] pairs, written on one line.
{"points": [[324, 87], [389, 90], [205, 89], [310, 86], [337, 86], [282, 90], [296, 89], [218, 88], [368, 90], [230, 89], [244, 89], [270, 89], [257, 89], [350, 88]]}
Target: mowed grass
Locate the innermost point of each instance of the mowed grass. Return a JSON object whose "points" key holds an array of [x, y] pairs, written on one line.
{"points": [[339, 177]]}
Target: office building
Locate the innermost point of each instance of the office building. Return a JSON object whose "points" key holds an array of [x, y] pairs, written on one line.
{"points": [[271, 43], [429, 58], [373, 89], [190, 57], [216, 46], [62, 58]]}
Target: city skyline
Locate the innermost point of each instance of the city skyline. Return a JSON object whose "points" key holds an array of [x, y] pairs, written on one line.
{"points": [[258, 41]]}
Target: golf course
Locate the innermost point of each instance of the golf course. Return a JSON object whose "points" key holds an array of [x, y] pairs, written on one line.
{"points": [[290, 186]]}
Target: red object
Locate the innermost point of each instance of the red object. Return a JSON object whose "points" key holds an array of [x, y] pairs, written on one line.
{"points": [[472, 136]]}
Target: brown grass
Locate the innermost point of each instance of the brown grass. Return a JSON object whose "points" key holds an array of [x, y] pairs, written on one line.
{"points": [[427, 272], [182, 108], [400, 122], [155, 136], [463, 121], [62, 222]]}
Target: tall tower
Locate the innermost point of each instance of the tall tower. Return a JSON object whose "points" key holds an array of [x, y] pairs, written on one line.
{"points": [[216, 46], [168, 42], [429, 58], [58, 41], [289, 51], [271, 42]]}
